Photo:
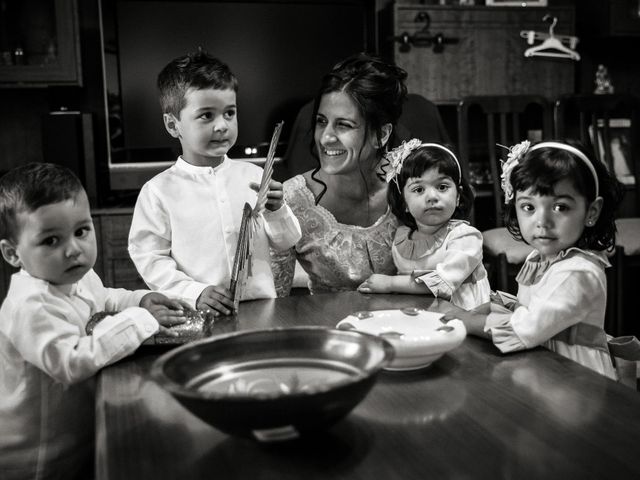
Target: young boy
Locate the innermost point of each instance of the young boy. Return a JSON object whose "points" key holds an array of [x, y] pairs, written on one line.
{"points": [[186, 221], [47, 359]]}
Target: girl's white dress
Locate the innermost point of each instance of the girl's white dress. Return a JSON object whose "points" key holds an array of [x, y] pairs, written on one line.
{"points": [[449, 263], [560, 305]]}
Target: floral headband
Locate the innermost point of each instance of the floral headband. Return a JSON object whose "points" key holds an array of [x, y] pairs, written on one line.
{"points": [[397, 156], [516, 152]]}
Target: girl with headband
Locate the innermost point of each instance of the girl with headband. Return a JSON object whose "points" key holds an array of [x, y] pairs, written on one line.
{"points": [[436, 251], [561, 203]]}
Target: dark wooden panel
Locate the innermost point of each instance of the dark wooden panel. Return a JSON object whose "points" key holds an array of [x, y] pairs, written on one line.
{"points": [[116, 265], [489, 56]]}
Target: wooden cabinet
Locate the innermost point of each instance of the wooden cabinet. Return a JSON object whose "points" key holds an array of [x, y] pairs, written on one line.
{"points": [[39, 43], [488, 56], [609, 18], [114, 265]]}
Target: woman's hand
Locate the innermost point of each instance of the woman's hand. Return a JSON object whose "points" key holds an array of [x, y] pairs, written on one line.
{"points": [[275, 197], [217, 299], [168, 312]]}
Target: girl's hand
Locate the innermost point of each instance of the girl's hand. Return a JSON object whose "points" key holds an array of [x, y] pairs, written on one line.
{"points": [[217, 299], [275, 197], [168, 312], [376, 283], [474, 320]]}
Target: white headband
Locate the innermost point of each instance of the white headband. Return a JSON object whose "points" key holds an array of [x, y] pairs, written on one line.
{"points": [[577, 153], [399, 154]]}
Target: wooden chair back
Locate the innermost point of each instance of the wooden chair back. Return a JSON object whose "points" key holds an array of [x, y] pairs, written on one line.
{"points": [[610, 124], [420, 119], [488, 120]]}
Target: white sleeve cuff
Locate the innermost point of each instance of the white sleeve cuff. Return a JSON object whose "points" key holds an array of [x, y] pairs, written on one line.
{"points": [[120, 334]]}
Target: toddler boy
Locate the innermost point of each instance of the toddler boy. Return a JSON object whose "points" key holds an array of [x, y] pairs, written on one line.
{"points": [[47, 359]]}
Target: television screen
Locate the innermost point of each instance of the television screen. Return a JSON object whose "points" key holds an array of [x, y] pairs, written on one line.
{"points": [[278, 51]]}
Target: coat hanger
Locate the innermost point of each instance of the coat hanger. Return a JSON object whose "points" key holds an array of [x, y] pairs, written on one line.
{"points": [[552, 46]]}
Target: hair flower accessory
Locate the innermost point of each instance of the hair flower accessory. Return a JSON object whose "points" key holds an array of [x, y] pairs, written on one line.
{"points": [[397, 156], [515, 153]]}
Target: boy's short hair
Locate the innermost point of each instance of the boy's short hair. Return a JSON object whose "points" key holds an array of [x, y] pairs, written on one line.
{"points": [[29, 187], [197, 70]]}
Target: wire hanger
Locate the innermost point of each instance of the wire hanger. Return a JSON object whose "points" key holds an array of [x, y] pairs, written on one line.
{"points": [[552, 46]]}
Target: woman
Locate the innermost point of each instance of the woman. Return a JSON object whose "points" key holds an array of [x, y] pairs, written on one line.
{"points": [[347, 227]]}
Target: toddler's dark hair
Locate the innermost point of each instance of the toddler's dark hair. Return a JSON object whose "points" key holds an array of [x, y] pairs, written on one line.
{"points": [[417, 162], [543, 168], [197, 70], [29, 187]]}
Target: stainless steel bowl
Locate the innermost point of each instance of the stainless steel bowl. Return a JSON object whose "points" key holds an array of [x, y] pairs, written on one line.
{"points": [[274, 384]]}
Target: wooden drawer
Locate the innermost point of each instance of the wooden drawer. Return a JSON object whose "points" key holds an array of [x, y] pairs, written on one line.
{"points": [[114, 264]]}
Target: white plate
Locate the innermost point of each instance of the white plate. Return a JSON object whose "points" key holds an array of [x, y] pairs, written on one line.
{"points": [[418, 336]]}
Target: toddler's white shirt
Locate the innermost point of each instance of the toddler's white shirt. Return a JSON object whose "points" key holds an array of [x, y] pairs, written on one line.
{"points": [[185, 230], [46, 366]]}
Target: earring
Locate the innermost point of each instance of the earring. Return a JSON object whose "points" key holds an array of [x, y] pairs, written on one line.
{"points": [[589, 223]]}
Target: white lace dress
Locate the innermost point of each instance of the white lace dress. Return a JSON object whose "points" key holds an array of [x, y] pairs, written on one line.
{"points": [[336, 256]]}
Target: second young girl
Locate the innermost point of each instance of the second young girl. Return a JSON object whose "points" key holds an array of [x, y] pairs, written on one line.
{"points": [[562, 204], [436, 252]]}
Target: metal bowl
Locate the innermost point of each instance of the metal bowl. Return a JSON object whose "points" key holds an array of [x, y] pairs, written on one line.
{"points": [[273, 384]]}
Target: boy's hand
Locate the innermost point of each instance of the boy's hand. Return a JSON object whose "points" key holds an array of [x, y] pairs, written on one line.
{"points": [[216, 299], [275, 197], [376, 283], [168, 312]]}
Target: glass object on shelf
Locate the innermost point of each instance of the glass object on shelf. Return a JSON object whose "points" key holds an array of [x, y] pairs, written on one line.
{"points": [[479, 174], [28, 30], [18, 56], [603, 82], [39, 42]]}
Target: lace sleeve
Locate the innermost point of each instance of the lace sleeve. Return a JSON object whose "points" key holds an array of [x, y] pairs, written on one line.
{"points": [[283, 265]]}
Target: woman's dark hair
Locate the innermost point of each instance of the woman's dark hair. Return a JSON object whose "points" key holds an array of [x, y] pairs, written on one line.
{"points": [[540, 170], [376, 87], [417, 162]]}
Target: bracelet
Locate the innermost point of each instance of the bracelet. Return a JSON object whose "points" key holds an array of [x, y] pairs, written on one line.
{"points": [[95, 319]]}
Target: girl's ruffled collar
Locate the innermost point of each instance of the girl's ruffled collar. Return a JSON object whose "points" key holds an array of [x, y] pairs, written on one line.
{"points": [[413, 249], [534, 268]]}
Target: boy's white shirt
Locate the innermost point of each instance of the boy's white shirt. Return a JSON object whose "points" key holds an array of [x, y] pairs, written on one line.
{"points": [[47, 361], [185, 228]]}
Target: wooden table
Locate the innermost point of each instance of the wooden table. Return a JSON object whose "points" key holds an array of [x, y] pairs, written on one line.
{"points": [[475, 413]]}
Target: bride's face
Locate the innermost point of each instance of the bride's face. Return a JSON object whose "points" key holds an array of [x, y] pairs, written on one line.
{"points": [[341, 135]]}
